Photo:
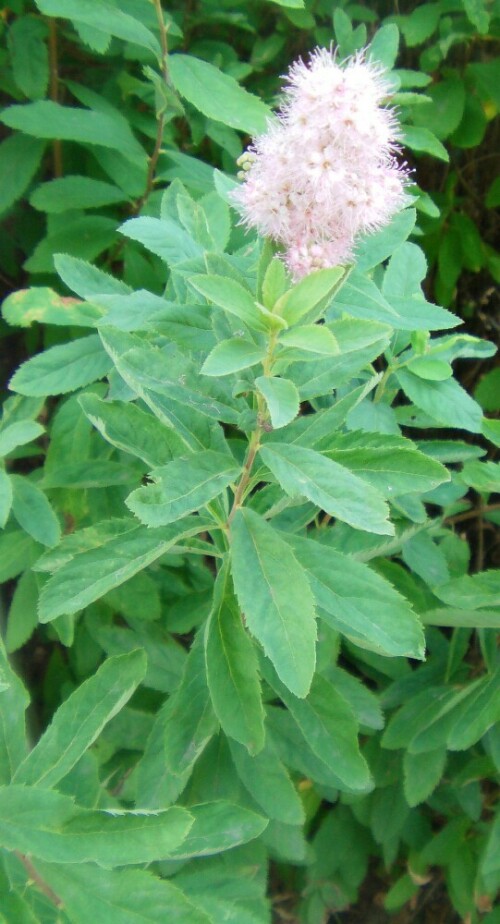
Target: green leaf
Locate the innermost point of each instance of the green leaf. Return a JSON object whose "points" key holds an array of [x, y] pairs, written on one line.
{"points": [[29, 56], [62, 368], [13, 702], [182, 729], [361, 298], [231, 297], [358, 602], [49, 825], [91, 574], [18, 434], [28, 306], [479, 712], [309, 296], [313, 338], [47, 119], [6, 495], [183, 486], [274, 283], [420, 24], [443, 114], [482, 476], [164, 237], [23, 618], [268, 782], [327, 484], [478, 15], [433, 370], [391, 464], [80, 719], [20, 158], [275, 597], [232, 671], [231, 356], [75, 192], [17, 552], [384, 45], [84, 236], [132, 430], [282, 399], [219, 826], [87, 280], [328, 725], [377, 247], [491, 859], [422, 773], [33, 511], [104, 16], [422, 140], [461, 617], [119, 896], [446, 402], [217, 95]]}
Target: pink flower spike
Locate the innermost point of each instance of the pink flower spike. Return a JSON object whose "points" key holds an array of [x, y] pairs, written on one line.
{"points": [[325, 171]]}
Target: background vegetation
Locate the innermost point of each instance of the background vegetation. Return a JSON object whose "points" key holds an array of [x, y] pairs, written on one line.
{"points": [[106, 105]]}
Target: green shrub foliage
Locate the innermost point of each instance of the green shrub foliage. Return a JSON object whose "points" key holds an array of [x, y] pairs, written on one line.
{"points": [[239, 583]]}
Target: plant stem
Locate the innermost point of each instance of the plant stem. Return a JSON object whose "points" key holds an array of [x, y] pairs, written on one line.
{"points": [[472, 514], [379, 391], [34, 875], [54, 92], [160, 126], [253, 448], [254, 444]]}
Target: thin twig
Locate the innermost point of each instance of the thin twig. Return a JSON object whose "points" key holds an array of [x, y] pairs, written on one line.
{"points": [[472, 514], [34, 875], [160, 126]]}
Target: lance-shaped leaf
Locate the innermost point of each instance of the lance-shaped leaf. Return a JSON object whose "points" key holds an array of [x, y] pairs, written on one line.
{"points": [[390, 463], [62, 368], [329, 726], [217, 95], [47, 824], [91, 574], [162, 236], [446, 402], [330, 486], [182, 730], [127, 427], [81, 718], [477, 714], [309, 296], [313, 338], [282, 399], [232, 297], [232, 670], [219, 826], [274, 594], [105, 17], [33, 511], [472, 590], [13, 703], [18, 434], [231, 356], [359, 603], [267, 780], [119, 896], [182, 486]]}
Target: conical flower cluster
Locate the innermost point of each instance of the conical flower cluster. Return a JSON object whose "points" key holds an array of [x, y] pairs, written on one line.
{"points": [[326, 170]]}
